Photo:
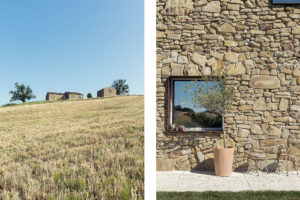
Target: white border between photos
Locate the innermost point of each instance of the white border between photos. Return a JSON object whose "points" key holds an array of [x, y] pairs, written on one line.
{"points": [[150, 98]]}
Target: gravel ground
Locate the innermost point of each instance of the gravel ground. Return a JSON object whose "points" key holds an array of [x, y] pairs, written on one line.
{"points": [[182, 181]]}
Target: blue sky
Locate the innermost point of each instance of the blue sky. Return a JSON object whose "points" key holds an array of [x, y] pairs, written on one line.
{"points": [[70, 45], [184, 99]]}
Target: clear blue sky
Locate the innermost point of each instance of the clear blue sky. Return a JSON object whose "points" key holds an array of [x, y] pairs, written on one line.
{"points": [[185, 98], [70, 45]]}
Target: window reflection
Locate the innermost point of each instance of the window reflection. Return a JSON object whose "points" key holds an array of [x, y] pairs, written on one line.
{"points": [[186, 113]]}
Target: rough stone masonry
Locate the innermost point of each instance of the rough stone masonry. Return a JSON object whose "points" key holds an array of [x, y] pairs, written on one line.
{"points": [[257, 44]]}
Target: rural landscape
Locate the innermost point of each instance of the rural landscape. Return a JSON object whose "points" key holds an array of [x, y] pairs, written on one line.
{"points": [[187, 117], [81, 149]]}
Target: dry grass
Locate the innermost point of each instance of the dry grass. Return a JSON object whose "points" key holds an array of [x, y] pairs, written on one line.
{"points": [[89, 149]]}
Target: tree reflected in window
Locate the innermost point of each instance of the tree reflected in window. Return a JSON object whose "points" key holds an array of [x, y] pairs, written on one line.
{"points": [[184, 111]]}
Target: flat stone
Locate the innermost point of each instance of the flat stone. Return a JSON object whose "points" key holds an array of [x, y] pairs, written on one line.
{"points": [[230, 43], [295, 108], [296, 31], [272, 142], [213, 37], [191, 70], [160, 34], [266, 54], [182, 163], [249, 63], [295, 88], [236, 69], [296, 72], [287, 47], [244, 133], [285, 119], [256, 129], [213, 7], [284, 104], [201, 3], [274, 131], [165, 71], [266, 26], [178, 6], [217, 55], [199, 59], [284, 133], [206, 71], [245, 107], [199, 27], [211, 61], [176, 69], [254, 44], [260, 104], [182, 59], [233, 7], [272, 106], [264, 82], [242, 49], [257, 32], [173, 37], [218, 67], [281, 14], [165, 164], [298, 80], [227, 28], [231, 57]]}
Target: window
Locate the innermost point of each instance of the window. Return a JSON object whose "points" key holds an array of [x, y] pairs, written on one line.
{"points": [[52, 97], [286, 1], [183, 113], [73, 96]]}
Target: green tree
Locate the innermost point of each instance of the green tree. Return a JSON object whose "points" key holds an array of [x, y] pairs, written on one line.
{"points": [[89, 95], [121, 86], [22, 93], [215, 97]]}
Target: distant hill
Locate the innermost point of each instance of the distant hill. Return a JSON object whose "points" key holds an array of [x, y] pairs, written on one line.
{"points": [[73, 149], [188, 118]]}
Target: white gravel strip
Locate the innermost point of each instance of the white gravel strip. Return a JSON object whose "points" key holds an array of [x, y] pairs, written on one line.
{"points": [[182, 181]]}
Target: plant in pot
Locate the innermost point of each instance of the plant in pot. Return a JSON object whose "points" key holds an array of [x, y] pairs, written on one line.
{"points": [[216, 96]]}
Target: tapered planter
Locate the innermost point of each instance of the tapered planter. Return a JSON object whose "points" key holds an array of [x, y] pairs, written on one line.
{"points": [[223, 159]]}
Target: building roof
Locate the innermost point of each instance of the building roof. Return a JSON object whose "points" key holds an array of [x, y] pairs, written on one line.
{"points": [[107, 88], [55, 93], [68, 93]]}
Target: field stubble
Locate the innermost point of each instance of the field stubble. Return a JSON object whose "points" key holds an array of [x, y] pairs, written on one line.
{"points": [[90, 149]]}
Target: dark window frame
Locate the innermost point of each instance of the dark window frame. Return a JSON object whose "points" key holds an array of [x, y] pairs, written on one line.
{"points": [[285, 3], [170, 102]]}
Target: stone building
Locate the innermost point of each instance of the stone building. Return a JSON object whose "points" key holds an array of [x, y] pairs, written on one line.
{"points": [[53, 96], [257, 44], [107, 92], [73, 95]]}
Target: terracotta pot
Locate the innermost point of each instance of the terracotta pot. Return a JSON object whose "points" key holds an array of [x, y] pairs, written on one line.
{"points": [[223, 159], [180, 128]]}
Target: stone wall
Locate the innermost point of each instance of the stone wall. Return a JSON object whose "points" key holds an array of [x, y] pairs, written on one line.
{"points": [[107, 92], [55, 96], [257, 43]]}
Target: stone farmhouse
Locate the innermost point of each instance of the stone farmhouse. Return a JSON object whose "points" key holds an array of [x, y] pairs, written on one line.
{"points": [[107, 92], [53, 96], [257, 44]]}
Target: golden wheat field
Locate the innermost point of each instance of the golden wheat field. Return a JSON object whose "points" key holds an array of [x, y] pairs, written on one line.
{"points": [[88, 149]]}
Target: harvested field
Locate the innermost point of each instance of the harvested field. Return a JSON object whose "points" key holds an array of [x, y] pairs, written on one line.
{"points": [[88, 149]]}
